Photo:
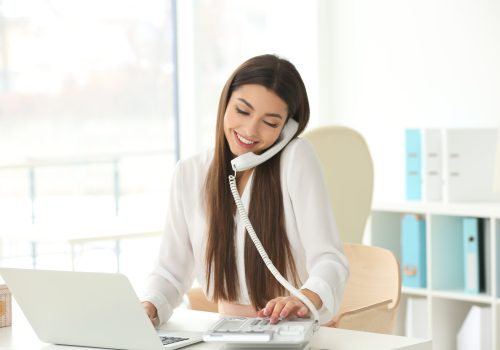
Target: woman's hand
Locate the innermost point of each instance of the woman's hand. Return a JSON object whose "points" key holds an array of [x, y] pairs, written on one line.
{"points": [[152, 313], [283, 307]]}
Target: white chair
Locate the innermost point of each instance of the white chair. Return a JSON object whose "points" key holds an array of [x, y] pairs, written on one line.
{"points": [[372, 293], [348, 169]]}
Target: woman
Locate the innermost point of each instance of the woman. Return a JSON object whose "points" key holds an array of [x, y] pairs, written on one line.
{"points": [[285, 197]]}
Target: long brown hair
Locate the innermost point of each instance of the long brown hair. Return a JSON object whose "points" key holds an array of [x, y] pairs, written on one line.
{"points": [[266, 211]]}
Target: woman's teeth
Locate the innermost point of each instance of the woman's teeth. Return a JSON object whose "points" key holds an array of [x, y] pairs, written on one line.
{"points": [[244, 140]]}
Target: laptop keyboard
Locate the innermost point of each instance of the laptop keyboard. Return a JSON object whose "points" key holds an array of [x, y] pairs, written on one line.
{"points": [[170, 340]]}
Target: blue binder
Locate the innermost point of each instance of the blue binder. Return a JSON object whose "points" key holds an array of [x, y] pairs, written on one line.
{"points": [[474, 277], [413, 251], [413, 164]]}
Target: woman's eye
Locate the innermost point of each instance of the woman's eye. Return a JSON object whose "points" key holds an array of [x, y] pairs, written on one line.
{"points": [[272, 125], [240, 111]]}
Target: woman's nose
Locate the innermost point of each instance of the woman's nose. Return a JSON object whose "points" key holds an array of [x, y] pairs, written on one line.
{"points": [[251, 127]]}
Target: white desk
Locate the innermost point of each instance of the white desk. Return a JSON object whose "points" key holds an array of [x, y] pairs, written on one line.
{"points": [[21, 335]]}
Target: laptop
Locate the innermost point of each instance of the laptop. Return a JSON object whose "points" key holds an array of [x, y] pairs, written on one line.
{"points": [[88, 309]]}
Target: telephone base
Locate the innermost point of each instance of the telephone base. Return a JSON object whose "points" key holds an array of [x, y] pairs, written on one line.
{"points": [[259, 333]]}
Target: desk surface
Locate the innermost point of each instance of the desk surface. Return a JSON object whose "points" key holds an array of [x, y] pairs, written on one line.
{"points": [[21, 335]]}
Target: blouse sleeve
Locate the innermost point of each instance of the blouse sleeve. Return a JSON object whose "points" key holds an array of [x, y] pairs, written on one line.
{"points": [[326, 263], [174, 270]]}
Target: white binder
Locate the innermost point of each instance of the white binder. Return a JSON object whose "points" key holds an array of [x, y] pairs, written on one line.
{"points": [[470, 165], [433, 164], [475, 333]]}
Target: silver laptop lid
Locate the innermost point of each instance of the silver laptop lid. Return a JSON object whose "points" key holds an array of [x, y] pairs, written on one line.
{"points": [[82, 308]]}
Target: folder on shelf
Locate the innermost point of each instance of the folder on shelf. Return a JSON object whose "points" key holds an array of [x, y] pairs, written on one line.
{"points": [[413, 251], [475, 332], [413, 165], [474, 255], [416, 318], [470, 165], [432, 164]]}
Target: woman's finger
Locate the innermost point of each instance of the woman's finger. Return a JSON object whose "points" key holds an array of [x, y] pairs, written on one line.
{"points": [[278, 306], [303, 311], [289, 308], [268, 310]]}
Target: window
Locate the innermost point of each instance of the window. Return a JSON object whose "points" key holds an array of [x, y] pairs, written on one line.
{"points": [[87, 109], [86, 113]]}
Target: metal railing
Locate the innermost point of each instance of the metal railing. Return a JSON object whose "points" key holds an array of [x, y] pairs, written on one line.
{"points": [[31, 166]]}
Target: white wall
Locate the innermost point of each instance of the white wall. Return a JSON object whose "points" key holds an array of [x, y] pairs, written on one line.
{"points": [[391, 64]]}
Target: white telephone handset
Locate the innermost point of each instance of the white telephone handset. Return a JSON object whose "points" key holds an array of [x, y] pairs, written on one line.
{"points": [[250, 160]]}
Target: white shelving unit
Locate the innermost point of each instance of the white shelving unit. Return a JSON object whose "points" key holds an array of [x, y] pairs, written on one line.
{"points": [[447, 303]]}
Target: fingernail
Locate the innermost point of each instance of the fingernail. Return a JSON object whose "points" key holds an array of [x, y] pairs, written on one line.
{"points": [[266, 312]]}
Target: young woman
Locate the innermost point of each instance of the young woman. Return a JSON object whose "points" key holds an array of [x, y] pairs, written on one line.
{"points": [[285, 197]]}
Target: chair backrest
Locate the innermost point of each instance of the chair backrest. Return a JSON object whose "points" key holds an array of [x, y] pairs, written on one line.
{"points": [[348, 169], [374, 285], [373, 277], [198, 300]]}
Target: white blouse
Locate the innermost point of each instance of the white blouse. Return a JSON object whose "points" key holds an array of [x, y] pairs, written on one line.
{"points": [[310, 225]]}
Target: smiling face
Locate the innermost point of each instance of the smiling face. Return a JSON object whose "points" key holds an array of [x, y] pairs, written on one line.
{"points": [[254, 119]]}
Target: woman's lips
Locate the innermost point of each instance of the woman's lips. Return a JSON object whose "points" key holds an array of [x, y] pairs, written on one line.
{"points": [[241, 143]]}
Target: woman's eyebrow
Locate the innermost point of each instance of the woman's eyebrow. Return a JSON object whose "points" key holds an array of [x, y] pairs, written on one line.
{"points": [[246, 102], [249, 105]]}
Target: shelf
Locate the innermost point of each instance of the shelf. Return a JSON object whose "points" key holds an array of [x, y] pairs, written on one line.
{"points": [[461, 296], [482, 210], [414, 291], [447, 302]]}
